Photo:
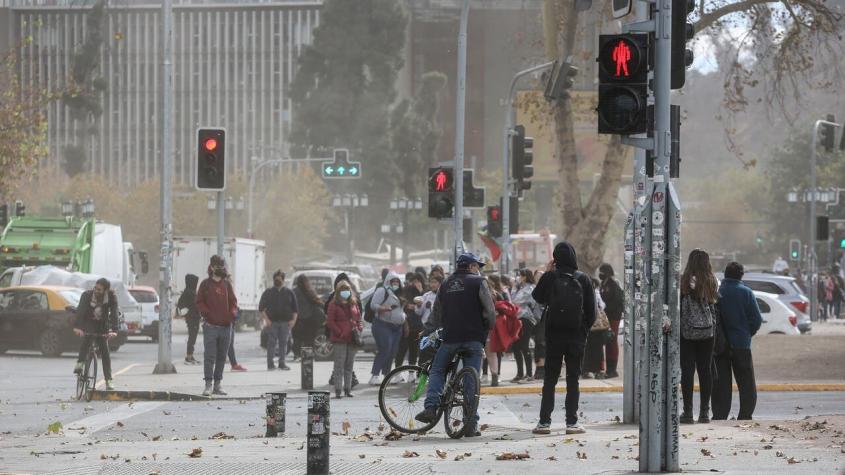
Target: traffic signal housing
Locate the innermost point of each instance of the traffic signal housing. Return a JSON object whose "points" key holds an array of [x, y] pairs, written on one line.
{"points": [[441, 192], [682, 31], [522, 167], [795, 249], [340, 166], [211, 159], [623, 84], [494, 221], [822, 228], [4, 216], [827, 134], [20, 209]]}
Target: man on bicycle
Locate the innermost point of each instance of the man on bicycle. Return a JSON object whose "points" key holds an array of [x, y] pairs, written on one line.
{"points": [[96, 321], [464, 309]]}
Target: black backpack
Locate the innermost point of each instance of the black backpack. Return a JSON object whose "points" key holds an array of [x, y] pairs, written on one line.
{"points": [[565, 310], [369, 313]]}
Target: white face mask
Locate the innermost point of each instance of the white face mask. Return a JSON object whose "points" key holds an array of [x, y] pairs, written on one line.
{"points": [[345, 294], [394, 287]]}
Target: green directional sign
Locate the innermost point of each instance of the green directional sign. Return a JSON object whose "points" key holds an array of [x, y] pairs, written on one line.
{"points": [[340, 166]]}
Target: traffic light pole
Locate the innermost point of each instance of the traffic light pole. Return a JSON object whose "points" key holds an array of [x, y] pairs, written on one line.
{"points": [[812, 257], [510, 120], [459, 132], [165, 363]]}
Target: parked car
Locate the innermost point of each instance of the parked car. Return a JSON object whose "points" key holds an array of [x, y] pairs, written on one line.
{"points": [[42, 318], [787, 292], [777, 317], [148, 298]]}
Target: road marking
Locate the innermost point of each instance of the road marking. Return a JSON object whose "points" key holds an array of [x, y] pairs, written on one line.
{"points": [[494, 412], [89, 425], [103, 381]]}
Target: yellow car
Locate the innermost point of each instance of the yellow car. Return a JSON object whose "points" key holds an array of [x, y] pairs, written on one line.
{"points": [[42, 318]]}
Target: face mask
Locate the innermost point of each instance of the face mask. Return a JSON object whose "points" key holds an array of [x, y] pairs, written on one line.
{"points": [[345, 294], [395, 288]]}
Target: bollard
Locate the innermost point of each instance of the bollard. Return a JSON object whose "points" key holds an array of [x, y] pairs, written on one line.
{"points": [[319, 431], [276, 414], [307, 368]]}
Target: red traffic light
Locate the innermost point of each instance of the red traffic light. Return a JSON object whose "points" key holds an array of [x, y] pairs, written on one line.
{"points": [[441, 180], [494, 214], [210, 144]]}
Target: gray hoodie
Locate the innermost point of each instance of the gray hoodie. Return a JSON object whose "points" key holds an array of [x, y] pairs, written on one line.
{"points": [[395, 316]]}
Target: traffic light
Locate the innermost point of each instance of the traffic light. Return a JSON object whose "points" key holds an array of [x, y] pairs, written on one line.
{"points": [[682, 31], [340, 166], [841, 241], [494, 221], [20, 209], [623, 84], [827, 134], [522, 158], [560, 80], [441, 192], [4, 216], [822, 228], [795, 249], [211, 159]]}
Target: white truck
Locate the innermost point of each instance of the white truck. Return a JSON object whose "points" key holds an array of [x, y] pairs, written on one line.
{"points": [[245, 259]]}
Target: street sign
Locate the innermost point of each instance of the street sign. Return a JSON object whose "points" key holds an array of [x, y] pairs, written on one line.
{"points": [[340, 166]]}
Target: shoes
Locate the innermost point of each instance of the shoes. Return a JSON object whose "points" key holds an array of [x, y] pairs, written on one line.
{"points": [[611, 375], [78, 368], [540, 373], [218, 390], [337, 395], [427, 416], [284, 367], [574, 429], [686, 418], [518, 378], [703, 418], [237, 367], [207, 391], [109, 385], [494, 380], [271, 367], [601, 376], [473, 432], [484, 379], [190, 360], [588, 375], [348, 393], [527, 380], [543, 428], [375, 380]]}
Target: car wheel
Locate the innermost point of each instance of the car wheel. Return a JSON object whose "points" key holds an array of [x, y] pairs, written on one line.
{"points": [[323, 348], [50, 342]]}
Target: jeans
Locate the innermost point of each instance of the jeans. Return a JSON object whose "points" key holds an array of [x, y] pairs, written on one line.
{"points": [[521, 352], [232, 360], [408, 344], [279, 332], [344, 359], [387, 337], [193, 330], [740, 361], [216, 341], [697, 355], [473, 350], [556, 354], [102, 343]]}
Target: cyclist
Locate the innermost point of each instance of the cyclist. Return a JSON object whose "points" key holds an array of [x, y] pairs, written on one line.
{"points": [[464, 309], [96, 316]]}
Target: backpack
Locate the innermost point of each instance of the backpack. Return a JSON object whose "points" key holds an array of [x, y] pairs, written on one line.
{"points": [[565, 311], [697, 319], [369, 313]]}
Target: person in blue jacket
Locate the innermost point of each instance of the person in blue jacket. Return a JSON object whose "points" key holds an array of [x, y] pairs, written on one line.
{"points": [[739, 319]]}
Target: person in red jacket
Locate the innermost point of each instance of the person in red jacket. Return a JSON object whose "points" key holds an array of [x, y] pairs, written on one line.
{"points": [[343, 318], [218, 306]]}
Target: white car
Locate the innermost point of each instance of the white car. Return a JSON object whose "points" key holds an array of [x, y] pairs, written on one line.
{"points": [[148, 326], [777, 317]]}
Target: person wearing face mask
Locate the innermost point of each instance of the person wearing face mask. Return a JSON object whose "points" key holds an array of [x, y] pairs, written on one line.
{"points": [[96, 315], [614, 298], [409, 343], [388, 325], [218, 306], [279, 309], [343, 320]]}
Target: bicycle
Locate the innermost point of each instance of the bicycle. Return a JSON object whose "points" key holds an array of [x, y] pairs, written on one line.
{"points": [[87, 378], [403, 391]]}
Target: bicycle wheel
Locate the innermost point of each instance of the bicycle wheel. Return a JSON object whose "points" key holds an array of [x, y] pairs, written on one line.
{"points": [[401, 396], [90, 376], [462, 402], [81, 385]]}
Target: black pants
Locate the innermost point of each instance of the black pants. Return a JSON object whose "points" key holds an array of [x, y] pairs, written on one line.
{"points": [[521, 351], [304, 333], [697, 355], [193, 331], [556, 354], [740, 363], [102, 343], [408, 344], [594, 352], [231, 353]]}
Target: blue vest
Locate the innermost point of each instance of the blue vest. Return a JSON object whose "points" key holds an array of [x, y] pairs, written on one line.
{"points": [[460, 308]]}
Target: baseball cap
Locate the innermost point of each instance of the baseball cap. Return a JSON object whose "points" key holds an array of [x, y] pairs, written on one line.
{"points": [[468, 258]]}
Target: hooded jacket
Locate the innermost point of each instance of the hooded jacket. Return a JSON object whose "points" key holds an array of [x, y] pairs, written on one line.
{"points": [[566, 262], [188, 299], [216, 301], [90, 320], [384, 295]]}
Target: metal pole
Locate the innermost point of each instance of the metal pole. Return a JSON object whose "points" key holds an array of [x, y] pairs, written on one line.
{"points": [[346, 232], [459, 130], [510, 120], [221, 222], [165, 363], [406, 259]]}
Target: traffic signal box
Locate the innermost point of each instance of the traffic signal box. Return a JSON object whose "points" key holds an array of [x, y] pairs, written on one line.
{"points": [[441, 190], [211, 159], [623, 84], [494, 221]]}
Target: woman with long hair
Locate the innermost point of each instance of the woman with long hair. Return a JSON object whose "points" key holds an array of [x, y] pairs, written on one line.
{"points": [[529, 315], [311, 315], [699, 294], [343, 321]]}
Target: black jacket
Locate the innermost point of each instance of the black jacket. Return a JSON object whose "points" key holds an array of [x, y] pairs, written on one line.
{"points": [[86, 319], [566, 262], [464, 308], [614, 299], [188, 299]]}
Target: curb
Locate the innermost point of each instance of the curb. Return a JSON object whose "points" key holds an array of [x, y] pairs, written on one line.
{"points": [[776, 387], [99, 395]]}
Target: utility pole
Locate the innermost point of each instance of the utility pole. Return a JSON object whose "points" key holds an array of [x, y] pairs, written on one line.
{"points": [[165, 363], [221, 222], [459, 132]]}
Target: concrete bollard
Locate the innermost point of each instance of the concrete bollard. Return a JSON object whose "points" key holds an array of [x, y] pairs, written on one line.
{"points": [[319, 431], [307, 366], [276, 414]]}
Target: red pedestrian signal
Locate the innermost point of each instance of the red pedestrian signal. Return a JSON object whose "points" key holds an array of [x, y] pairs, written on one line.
{"points": [[623, 84], [441, 190], [441, 180], [621, 55]]}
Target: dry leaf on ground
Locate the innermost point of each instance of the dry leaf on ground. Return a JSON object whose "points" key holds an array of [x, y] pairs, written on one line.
{"points": [[410, 454], [441, 453], [196, 453], [512, 456]]}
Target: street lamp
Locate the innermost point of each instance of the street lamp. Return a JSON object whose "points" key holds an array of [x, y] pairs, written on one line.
{"points": [[67, 209], [88, 208], [404, 205]]}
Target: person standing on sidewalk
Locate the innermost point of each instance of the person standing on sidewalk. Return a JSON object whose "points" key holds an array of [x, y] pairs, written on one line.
{"points": [[699, 294], [218, 306], [233, 360], [614, 300], [310, 318], [279, 308], [186, 307], [388, 325], [343, 320], [570, 313], [529, 316], [409, 343], [740, 319]]}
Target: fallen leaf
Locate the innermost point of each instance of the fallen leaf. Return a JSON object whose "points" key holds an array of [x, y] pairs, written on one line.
{"points": [[483, 427], [767, 447], [156, 438], [120, 424], [196, 453], [705, 452], [360, 456], [792, 460], [441, 453], [54, 428], [458, 458], [512, 456], [410, 454], [552, 458], [581, 455], [393, 435], [221, 436]]}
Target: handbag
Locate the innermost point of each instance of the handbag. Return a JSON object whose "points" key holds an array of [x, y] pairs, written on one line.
{"points": [[602, 323], [357, 338]]}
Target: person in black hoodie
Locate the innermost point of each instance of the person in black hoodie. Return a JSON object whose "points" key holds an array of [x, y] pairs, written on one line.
{"points": [[186, 307], [96, 321], [570, 313]]}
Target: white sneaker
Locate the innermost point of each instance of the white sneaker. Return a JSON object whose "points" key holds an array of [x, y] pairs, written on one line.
{"points": [[574, 429], [485, 379], [375, 380]]}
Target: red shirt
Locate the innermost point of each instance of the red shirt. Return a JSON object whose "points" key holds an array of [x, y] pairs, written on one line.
{"points": [[340, 320], [216, 302]]}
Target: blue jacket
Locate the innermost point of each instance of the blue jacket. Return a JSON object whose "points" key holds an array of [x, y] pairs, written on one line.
{"points": [[739, 313]]}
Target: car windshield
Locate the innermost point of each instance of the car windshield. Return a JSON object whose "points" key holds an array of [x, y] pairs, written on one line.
{"points": [[322, 285], [72, 296], [144, 296]]}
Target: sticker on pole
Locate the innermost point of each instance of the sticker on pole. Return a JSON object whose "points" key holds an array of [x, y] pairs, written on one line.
{"points": [[657, 218]]}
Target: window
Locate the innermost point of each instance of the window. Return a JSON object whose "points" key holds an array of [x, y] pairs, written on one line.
{"points": [[72, 296], [764, 307], [762, 286], [144, 296], [17, 300]]}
